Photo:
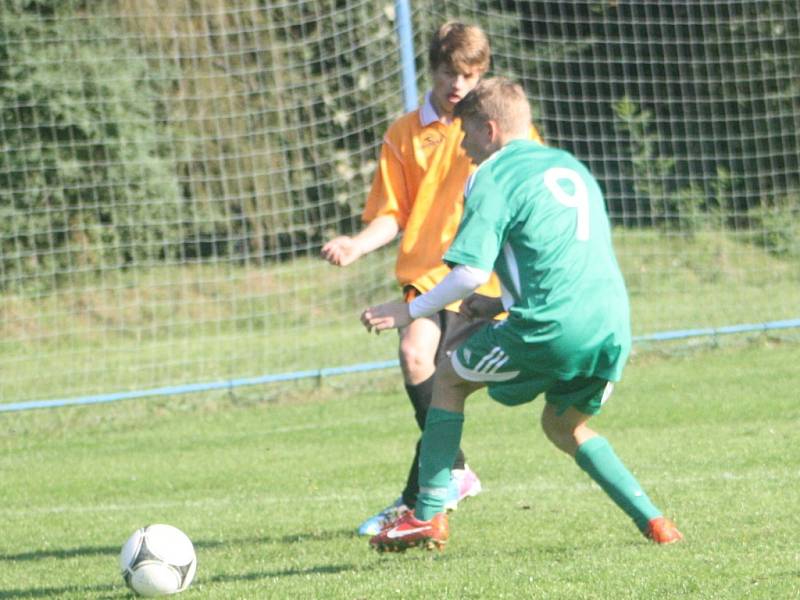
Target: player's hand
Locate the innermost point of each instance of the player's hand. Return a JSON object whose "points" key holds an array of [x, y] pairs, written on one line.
{"points": [[341, 251], [392, 315], [478, 306]]}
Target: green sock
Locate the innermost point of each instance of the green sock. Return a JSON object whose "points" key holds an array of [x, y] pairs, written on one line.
{"points": [[440, 441], [597, 458]]}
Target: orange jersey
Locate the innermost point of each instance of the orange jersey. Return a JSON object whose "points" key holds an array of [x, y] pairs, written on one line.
{"points": [[420, 183]]}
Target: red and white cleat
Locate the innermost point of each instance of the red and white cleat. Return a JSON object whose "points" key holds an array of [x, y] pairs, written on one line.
{"points": [[662, 531], [408, 532]]}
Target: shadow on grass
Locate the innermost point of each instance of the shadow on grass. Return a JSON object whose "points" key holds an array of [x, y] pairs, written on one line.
{"points": [[314, 536], [62, 553], [54, 592], [118, 590], [200, 545], [65, 553], [322, 570]]}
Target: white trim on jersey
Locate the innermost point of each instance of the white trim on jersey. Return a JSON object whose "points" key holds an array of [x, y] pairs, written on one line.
{"points": [[513, 271], [468, 184], [609, 389], [471, 178], [506, 297], [489, 360]]}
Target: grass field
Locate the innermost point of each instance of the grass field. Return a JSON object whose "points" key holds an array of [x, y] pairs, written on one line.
{"points": [[272, 490], [144, 329]]}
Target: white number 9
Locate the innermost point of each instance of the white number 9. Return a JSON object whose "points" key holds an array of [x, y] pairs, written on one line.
{"points": [[579, 199]]}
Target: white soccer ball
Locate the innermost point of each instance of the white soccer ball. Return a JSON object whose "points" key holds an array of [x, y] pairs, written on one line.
{"points": [[158, 560]]}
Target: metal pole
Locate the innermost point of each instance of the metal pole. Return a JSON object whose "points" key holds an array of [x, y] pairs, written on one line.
{"points": [[404, 33]]}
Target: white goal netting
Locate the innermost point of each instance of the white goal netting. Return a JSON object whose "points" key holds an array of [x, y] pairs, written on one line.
{"points": [[169, 171]]}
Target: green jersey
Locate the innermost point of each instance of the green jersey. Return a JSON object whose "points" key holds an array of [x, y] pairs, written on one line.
{"points": [[536, 216]]}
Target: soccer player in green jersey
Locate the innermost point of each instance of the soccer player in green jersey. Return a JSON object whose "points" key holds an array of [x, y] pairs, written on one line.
{"points": [[536, 216]]}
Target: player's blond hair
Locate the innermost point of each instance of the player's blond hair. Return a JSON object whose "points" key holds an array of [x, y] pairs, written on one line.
{"points": [[460, 47], [500, 100]]}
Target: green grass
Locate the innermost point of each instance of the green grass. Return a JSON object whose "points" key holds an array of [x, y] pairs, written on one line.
{"points": [[271, 491], [138, 330], [705, 280]]}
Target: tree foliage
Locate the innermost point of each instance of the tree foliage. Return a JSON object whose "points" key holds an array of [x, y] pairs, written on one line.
{"points": [[84, 179], [718, 81], [138, 131]]}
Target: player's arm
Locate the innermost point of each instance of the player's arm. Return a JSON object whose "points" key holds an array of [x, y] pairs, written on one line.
{"points": [[343, 250], [386, 210], [478, 306], [457, 285]]}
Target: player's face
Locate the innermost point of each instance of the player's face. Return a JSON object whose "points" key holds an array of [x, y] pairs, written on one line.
{"points": [[451, 84], [479, 142]]}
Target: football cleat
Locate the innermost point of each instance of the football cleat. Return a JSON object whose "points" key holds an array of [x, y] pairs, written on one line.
{"points": [[464, 483], [408, 532], [375, 523], [662, 531]]}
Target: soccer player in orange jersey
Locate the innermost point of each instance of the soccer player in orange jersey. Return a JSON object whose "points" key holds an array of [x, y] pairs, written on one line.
{"points": [[418, 190]]}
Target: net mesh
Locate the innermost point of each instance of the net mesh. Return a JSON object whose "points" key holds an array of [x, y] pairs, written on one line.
{"points": [[687, 113], [169, 171]]}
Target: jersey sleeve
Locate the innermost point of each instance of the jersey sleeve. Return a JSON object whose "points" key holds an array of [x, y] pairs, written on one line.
{"points": [[389, 193], [482, 231], [457, 285]]}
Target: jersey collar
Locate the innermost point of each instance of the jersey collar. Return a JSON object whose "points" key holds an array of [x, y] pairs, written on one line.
{"points": [[427, 113]]}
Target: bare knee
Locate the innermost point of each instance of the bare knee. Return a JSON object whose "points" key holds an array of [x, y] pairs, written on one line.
{"points": [[416, 360], [560, 436], [418, 344], [566, 431]]}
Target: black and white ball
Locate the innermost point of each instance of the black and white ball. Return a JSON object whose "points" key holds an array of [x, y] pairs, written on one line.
{"points": [[158, 560]]}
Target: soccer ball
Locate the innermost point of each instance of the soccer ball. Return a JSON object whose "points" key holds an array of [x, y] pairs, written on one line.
{"points": [[158, 560]]}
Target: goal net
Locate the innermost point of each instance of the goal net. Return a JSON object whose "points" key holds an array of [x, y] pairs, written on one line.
{"points": [[687, 113], [169, 171]]}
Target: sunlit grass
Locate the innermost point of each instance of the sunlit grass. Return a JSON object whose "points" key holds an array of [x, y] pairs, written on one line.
{"points": [[271, 488], [175, 326]]}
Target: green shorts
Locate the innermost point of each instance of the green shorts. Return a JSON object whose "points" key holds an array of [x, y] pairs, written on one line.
{"points": [[494, 359]]}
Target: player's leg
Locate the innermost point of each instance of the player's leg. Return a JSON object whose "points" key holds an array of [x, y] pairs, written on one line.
{"points": [[417, 353], [427, 525], [441, 439], [484, 359], [481, 360], [419, 348], [566, 427], [416, 343], [456, 329], [446, 418]]}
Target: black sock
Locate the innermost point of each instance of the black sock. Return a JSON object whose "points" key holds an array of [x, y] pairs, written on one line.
{"points": [[421, 395]]}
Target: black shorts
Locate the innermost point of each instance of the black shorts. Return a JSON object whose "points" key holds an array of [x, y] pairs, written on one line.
{"points": [[455, 327]]}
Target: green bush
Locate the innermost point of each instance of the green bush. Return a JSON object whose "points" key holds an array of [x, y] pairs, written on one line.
{"points": [[776, 226], [688, 208], [86, 182], [277, 119]]}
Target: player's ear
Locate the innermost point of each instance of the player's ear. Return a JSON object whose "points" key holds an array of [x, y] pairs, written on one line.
{"points": [[493, 130]]}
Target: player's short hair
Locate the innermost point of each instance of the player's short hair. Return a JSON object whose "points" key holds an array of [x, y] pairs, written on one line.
{"points": [[497, 99], [460, 47]]}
